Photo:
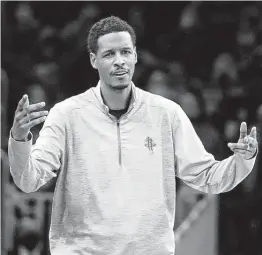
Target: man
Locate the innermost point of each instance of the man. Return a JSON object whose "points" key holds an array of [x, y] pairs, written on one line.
{"points": [[117, 150]]}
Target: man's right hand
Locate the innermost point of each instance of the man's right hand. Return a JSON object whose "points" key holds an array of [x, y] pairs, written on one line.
{"points": [[26, 117]]}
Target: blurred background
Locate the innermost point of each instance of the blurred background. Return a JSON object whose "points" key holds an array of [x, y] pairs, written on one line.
{"points": [[206, 56]]}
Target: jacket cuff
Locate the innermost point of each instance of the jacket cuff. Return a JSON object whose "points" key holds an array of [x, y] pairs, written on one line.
{"points": [[22, 147], [249, 163]]}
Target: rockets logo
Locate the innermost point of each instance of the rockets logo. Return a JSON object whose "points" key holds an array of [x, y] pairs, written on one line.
{"points": [[149, 143]]}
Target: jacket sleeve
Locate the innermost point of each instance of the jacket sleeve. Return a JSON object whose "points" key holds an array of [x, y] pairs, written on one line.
{"points": [[198, 168], [32, 166]]}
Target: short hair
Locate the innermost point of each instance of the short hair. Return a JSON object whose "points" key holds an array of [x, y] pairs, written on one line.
{"points": [[106, 26]]}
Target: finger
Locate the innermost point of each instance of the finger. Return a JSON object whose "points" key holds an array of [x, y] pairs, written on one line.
{"points": [[19, 116], [252, 142], [253, 133], [243, 130], [241, 146], [28, 109], [34, 122], [242, 152], [35, 115], [31, 116], [21, 103], [34, 107]]}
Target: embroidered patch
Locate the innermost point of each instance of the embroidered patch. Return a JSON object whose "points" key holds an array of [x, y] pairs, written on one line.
{"points": [[150, 144]]}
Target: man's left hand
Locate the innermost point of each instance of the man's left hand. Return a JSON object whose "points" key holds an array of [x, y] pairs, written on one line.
{"points": [[247, 145]]}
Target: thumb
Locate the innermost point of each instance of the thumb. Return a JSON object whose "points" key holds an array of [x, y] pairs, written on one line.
{"points": [[26, 101]]}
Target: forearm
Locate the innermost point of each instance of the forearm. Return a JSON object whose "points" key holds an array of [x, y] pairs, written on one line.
{"points": [[25, 168], [198, 168], [219, 176]]}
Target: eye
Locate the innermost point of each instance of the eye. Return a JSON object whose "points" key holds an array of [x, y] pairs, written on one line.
{"points": [[126, 52], [109, 54]]}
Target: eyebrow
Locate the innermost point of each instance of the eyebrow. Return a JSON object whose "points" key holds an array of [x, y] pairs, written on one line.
{"points": [[106, 51], [110, 50], [127, 48]]}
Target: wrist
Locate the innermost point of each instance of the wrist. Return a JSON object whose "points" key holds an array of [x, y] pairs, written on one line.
{"points": [[254, 155], [27, 138]]}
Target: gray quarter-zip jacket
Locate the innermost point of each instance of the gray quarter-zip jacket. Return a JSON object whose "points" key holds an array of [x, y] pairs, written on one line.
{"points": [[116, 190]]}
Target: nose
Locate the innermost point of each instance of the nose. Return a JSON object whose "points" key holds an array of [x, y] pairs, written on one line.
{"points": [[119, 61]]}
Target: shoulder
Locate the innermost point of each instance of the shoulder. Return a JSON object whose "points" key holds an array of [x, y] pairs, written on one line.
{"points": [[159, 102], [67, 106]]}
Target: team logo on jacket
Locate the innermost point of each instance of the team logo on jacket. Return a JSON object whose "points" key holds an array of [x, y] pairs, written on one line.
{"points": [[150, 144]]}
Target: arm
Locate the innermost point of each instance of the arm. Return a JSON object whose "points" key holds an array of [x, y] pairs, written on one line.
{"points": [[32, 166], [198, 168]]}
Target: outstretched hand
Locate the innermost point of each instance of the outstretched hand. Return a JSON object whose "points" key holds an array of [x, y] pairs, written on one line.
{"points": [[247, 145], [26, 117]]}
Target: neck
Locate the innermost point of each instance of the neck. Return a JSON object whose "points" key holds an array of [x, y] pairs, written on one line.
{"points": [[115, 99]]}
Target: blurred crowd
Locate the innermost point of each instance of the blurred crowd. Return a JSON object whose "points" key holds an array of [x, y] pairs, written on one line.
{"points": [[206, 56]]}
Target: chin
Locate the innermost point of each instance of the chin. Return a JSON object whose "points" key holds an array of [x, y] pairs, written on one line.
{"points": [[121, 86]]}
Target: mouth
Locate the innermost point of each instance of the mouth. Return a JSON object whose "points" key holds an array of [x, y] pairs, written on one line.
{"points": [[121, 73]]}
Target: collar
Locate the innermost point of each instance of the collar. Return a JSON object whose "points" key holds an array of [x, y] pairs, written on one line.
{"points": [[133, 100]]}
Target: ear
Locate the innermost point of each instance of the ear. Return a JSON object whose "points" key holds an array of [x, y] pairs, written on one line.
{"points": [[135, 55], [93, 60]]}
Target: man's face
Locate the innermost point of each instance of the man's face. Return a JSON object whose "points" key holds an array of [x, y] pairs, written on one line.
{"points": [[115, 59]]}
